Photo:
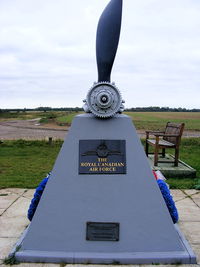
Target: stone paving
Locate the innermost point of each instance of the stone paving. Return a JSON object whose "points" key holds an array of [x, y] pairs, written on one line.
{"points": [[14, 204]]}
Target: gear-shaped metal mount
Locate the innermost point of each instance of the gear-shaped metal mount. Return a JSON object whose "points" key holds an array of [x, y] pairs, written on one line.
{"points": [[103, 100]]}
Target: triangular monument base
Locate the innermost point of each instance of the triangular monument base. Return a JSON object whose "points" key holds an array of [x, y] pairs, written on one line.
{"points": [[86, 216]]}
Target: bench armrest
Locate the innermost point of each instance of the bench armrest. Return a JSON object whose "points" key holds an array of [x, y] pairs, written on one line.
{"points": [[167, 135], [153, 133]]}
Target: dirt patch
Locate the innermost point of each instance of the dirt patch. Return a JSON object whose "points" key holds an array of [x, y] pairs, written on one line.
{"points": [[30, 129]]}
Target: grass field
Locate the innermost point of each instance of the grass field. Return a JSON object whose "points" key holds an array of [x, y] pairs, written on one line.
{"points": [[150, 120], [20, 115], [158, 120], [25, 163], [142, 120], [66, 119]]}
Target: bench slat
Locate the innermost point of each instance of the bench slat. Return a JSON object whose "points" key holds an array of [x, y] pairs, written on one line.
{"points": [[161, 142]]}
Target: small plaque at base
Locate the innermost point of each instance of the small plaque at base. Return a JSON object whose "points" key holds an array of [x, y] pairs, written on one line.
{"points": [[102, 231]]}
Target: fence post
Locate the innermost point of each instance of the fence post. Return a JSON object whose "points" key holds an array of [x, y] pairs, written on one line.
{"points": [[50, 140]]}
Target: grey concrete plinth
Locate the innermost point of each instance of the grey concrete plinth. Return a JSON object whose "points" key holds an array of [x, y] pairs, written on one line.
{"points": [[107, 258], [168, 169], [131, 200]]}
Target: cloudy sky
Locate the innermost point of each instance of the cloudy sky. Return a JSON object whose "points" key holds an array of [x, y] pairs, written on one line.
{"points": [[47, 52]]}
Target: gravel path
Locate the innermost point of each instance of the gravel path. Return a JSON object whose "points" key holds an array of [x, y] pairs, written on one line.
{"points": [[32, 130], [29, 129]]}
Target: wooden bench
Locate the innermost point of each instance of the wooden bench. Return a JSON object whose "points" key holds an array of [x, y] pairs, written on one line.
{"points": [[171, 138]]}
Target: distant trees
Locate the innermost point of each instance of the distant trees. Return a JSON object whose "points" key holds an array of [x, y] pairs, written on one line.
{"points": [[161, 109], [44, 109], [77, 109]]}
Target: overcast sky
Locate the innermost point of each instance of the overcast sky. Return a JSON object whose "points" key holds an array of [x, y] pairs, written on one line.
{"points": [[47, 52]]}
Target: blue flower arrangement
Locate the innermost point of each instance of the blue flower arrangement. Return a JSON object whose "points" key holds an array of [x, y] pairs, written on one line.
{"points": [[168, 200], [36, 198], [162, 185]]}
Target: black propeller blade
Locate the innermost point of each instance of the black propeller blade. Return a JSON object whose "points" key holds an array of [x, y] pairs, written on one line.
{"points": [[108, 32]]}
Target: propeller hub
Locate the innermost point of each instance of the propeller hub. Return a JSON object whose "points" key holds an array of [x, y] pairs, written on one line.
{"points": [[103, 100]]}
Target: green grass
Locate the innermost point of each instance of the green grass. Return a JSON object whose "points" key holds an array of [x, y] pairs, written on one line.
{"points": [[150, 120], [142, 120], [22, 115], [185, 183], [23, 164], [59, 118], [189, 153], [47, 117], [158, 120], [66, 119]]}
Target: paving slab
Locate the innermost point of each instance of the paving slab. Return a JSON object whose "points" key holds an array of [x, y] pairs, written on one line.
{"points": [[195, 197], [13, 221], [27, 265], [12, 227], [54, 265], [99, 265], [188, 210], [18, 191], [35, 265], [168, 265], [191, 192], [29, 193], [196, 248], [4, 191], [6, 244], [18, 209], [6, 200], [1, 211], [191, 231], [197, 201], [177, 194]]}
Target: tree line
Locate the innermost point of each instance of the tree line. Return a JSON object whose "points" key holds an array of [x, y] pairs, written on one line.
{"points": [[161, 109], [78, 109]]}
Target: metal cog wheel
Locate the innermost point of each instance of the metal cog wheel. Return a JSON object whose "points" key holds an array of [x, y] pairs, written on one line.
{"points": [[103, 100]]}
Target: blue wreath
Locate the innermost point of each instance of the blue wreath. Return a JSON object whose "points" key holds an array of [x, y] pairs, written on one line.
{"points": [[162, 185], [36, 198], [168, 200]]}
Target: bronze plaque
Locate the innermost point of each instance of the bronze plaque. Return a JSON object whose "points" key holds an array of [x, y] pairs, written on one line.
{"points": [[102, 157], [102, 231]]}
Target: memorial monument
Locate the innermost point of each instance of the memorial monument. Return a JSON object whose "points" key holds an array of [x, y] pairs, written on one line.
{"points": [[102, 203]]}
